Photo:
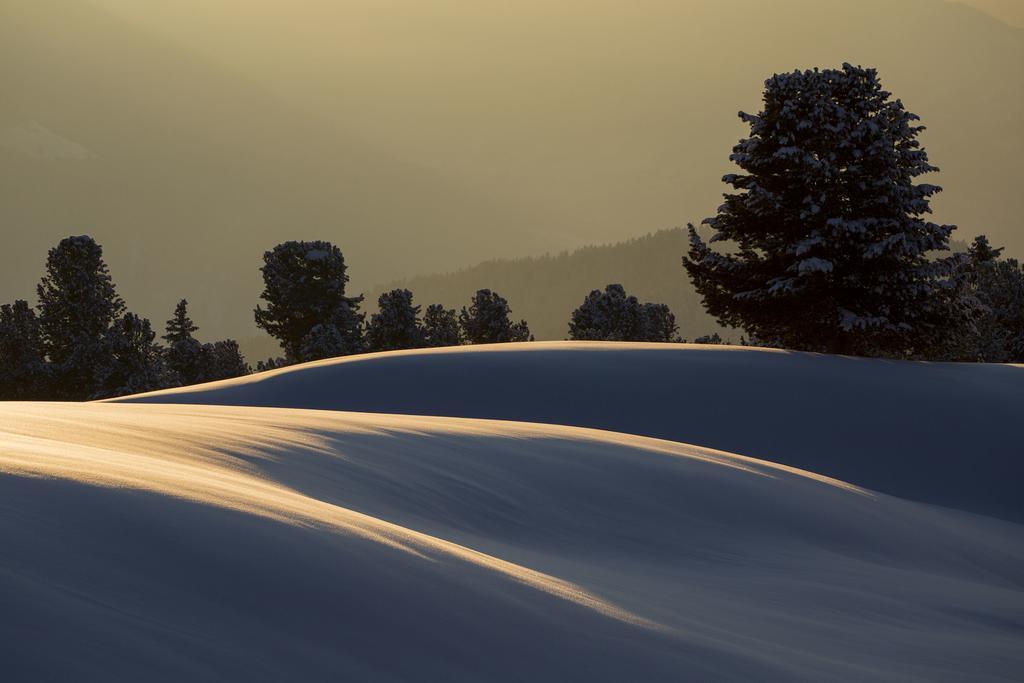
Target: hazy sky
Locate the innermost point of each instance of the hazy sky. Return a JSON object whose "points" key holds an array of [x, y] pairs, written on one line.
{"points": [[1008, 11]]}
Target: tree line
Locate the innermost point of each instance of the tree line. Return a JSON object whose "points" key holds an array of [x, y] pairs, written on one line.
{"points": [[81, 343]]}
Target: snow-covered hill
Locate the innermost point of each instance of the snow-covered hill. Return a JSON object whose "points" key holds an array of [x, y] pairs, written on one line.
{"points": [[942, 433], [221, 543]]}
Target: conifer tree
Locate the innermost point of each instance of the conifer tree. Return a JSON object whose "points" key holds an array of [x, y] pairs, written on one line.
{"points": [[77, 304], [307, 310], [184, 353], [486, 321], [659, 324], [23, 368], [180, 327], [441, 326], [989, 326], [395, 325], [222, 360], [134, 362], [828, 245], [612, 315]]}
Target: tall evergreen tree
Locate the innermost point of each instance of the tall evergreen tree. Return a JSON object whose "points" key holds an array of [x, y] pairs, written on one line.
{"points": [[23, 368], [441, 326], [77, 304], [829, 248], [307, 310], [395, 325], [487, 321]]}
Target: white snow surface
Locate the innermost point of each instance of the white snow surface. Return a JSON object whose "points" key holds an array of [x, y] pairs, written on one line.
{"points": [[185, 542], [949, 434]]}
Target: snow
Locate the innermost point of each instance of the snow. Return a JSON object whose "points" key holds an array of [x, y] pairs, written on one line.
{"points": [[902, 428], [191, 542]]}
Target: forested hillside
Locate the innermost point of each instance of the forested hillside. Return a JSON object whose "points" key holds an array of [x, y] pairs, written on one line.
{"points": [[544, 290]]}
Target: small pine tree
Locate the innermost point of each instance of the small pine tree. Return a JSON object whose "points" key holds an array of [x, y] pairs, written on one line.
{"points": [[830, 248], [223, 360], [989, 326], [24, 372], [77, 304], [659, 324], [180, 327], [612, 315], [441, 326], [193, 362], [184, 353], [713, 338], [133, 363], [486, 321], [307, 310], [271, 364], [396, 324]]}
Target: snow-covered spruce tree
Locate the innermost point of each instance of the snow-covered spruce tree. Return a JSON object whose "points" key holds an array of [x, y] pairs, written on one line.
{"points": [[395, 325], [612, 315], [134, 362], [830, 250], [184, 352], [304, 287], [77, 304], [24, 372], [441, 326], [486, 321]]}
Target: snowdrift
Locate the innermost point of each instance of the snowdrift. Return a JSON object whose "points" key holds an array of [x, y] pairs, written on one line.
{"points": [[198, 542], [942, 433]]}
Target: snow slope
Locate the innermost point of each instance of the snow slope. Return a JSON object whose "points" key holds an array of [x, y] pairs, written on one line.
{"points": [[151, 542], [943, 433]]}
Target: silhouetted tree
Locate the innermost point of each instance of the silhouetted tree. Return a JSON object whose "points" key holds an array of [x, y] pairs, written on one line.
{"points": [[193, 362], [184, 352], [271, 364], [24, 372], [180, 327], [307, 310], [713, 338], [486, 321], [659, 325], [829, 248], [612, 315], [441, 326], [395, 325], [223, 360], [133, 362], [77, 304], [989, 324]]}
